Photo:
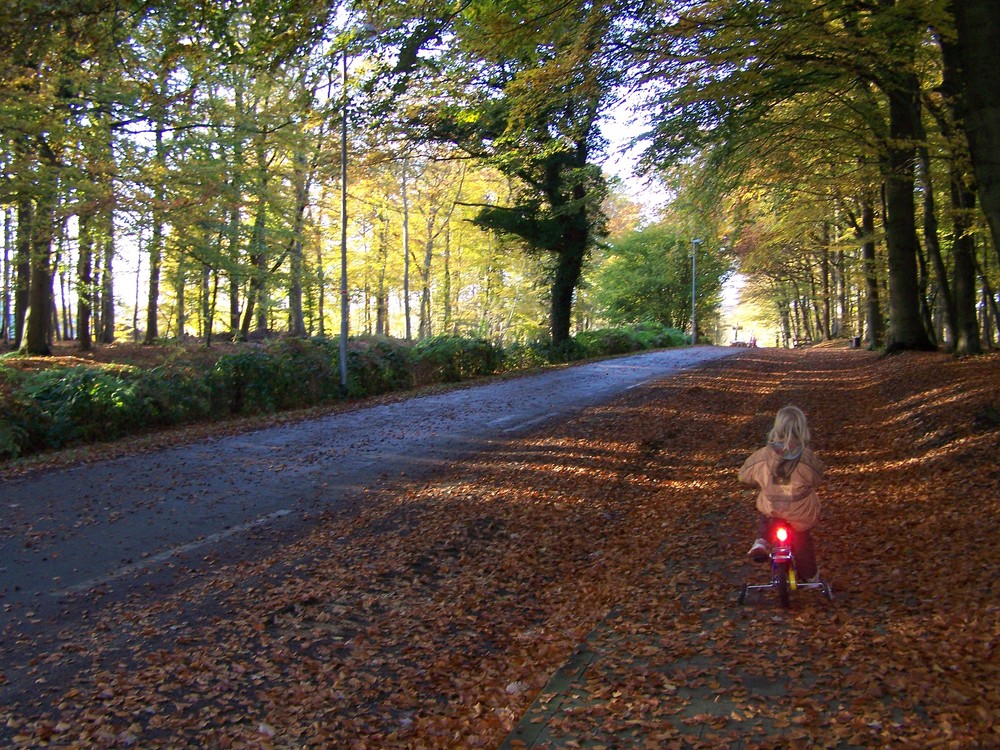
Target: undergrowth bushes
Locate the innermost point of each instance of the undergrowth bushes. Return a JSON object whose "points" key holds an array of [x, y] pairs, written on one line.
{"points": [[451, 359], [59, 407]]}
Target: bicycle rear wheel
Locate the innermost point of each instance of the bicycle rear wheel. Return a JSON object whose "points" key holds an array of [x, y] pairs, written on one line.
{"points": [[781, 573]]}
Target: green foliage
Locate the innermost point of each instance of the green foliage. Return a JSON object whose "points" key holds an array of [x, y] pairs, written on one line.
{"points": [[450, 359], [569, 350], [375, 365], [610, 341], [81, 404], [308, 371], [647, 277], [519, 356], [13, 436], [175, 395], [250, 382], [55, 408], [656, 336]]}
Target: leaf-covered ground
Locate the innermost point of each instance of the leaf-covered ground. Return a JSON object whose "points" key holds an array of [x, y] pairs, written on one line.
{"points": [[579, 589]]}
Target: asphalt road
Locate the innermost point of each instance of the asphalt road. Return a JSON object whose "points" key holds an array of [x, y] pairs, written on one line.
{"points": [[73, 538]]}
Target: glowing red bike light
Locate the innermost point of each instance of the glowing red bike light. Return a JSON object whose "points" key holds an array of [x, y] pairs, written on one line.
{"points": [[781, 533]]}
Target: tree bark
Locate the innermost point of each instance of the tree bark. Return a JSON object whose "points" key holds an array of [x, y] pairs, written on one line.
{"points": [[156, 245], [85, 284], [426, 327], [963, 203], [296, 320], [906, 327], [22, 261], [258, 272], [569, 267], [825, 264], [873, 308], [8, 244], [933, 245], [38, 322], [978, 26], [382, 293], [406, 252], [107, 332]]}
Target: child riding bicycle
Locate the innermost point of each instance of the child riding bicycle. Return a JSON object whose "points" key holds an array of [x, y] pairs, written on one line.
{"points": [[787, 474]]}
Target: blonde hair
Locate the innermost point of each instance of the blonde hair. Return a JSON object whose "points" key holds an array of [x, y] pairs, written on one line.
{"points": [[790, 425]]}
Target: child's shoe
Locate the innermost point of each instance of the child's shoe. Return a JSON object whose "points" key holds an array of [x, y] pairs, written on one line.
{"points": [[759, 552]]}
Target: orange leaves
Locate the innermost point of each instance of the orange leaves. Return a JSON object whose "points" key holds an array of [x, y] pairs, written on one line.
{"points": [[579, 589]]}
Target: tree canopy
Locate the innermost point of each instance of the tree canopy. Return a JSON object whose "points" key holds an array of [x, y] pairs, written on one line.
{"points": [[174, 169]]}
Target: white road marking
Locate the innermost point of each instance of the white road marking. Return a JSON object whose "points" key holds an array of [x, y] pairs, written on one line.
{"points": [[161, 557], [530, 422]]}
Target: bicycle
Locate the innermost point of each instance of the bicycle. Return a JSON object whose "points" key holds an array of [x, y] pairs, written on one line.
{"points": [[783, 574]]}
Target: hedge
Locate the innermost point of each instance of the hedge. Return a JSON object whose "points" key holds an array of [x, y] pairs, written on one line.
{"points": [[60, 407]]}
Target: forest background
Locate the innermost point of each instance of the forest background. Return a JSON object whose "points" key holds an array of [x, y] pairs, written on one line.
{"points": [[425, 170]]}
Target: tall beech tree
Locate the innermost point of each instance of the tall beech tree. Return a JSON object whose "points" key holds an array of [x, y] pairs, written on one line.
{"points": [[723, 68], [978, 28], [199, 131], [529, 106]]}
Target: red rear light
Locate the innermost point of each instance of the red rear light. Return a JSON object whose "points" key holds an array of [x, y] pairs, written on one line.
{"points": [[781, 534]]}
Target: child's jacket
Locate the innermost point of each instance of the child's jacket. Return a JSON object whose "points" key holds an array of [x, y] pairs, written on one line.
{"points": [[793, 498]]}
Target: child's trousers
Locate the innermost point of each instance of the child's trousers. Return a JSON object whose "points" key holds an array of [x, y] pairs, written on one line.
{"points": [[804, 548]]}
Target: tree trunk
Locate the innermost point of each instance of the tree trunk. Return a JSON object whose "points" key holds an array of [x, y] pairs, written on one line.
{"points": [[38, 322], [786, 325], [8, 244], [820, 316], [84, 284], [963, 203], [296, 320], [406, 253], [61, 325], [255, 293], [425, 327], [873, 309], [845, 316], [382, 294], [206, 304], [978, 26], [106, 232], [569, 267], [906, 327], [107, 332], [212, 308], [22, 261], [235, 209], [924, 296], [234, 282], [179, 287], [446, 283], [320, 290], [156, 245], [964, 252], [933, 245], [827, 297], [571, 255]]}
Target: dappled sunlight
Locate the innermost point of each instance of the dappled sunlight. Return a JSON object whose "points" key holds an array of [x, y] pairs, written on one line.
{"points": [[440, 610]]}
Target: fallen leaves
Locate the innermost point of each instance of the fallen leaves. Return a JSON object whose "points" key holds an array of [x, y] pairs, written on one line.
{"points": [[586, 579]]}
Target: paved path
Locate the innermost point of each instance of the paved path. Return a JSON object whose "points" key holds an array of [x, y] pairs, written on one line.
{"points": [[693, 697], [74, 539]]}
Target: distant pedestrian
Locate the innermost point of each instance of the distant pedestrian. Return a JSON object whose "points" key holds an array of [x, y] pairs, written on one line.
{"points": [[787, 473]]}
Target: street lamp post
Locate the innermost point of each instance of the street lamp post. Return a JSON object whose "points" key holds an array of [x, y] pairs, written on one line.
{"points": [[694, 288], [344, 309]]}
